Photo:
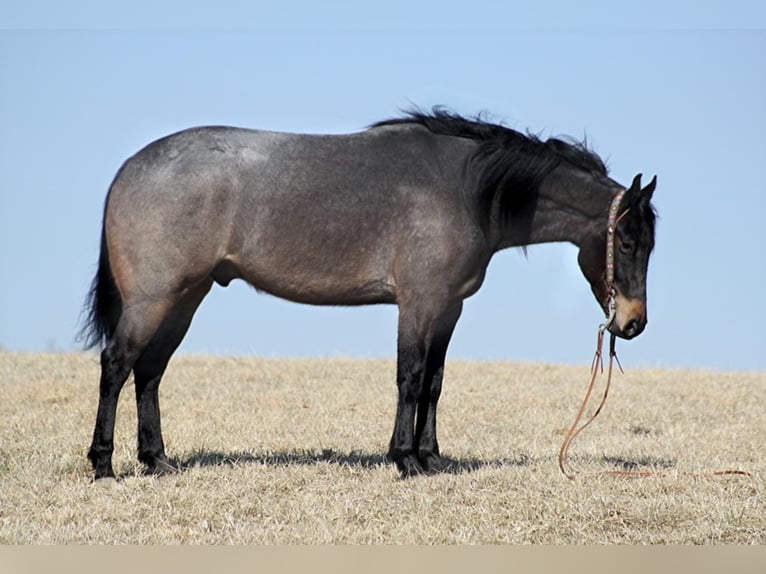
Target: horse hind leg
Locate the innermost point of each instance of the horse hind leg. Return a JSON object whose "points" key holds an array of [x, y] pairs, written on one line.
{"points": [[134, 330], [148, 372], [115, 368]]}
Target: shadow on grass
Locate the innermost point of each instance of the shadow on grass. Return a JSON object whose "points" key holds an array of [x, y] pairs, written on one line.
{"points": [[354, 459], [639, 463]]}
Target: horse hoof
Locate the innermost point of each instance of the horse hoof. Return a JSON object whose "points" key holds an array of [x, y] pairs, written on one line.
{"points": [[409, 466], [102, 472]]}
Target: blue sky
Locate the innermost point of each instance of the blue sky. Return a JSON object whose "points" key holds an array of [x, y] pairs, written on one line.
{"points": [[678, 91]]}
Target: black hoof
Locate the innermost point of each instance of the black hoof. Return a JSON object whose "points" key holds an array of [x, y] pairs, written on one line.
{"points": [[102, 465], [103, 473], [409, 466]]}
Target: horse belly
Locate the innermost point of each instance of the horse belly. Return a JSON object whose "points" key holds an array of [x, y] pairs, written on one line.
{"points": [[313, 275]]}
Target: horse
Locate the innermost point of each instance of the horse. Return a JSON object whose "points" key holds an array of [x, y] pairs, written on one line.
{"points": [[408, 211]]}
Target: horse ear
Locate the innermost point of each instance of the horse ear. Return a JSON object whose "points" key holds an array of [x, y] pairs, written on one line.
{"points": [[633, 193], [647, 192]]}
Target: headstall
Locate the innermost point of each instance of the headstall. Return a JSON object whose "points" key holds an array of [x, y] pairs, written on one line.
{"points": [[611, 228]]}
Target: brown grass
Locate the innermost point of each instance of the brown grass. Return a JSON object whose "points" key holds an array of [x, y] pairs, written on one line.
{"points": [[291, 451]]}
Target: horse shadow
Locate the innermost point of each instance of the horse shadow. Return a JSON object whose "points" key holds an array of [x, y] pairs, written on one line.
{"points": [[455, 466], [638, 463], [350, 459]]}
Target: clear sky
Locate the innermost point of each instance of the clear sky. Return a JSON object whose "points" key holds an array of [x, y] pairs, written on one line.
{"points": [[673, 89]]}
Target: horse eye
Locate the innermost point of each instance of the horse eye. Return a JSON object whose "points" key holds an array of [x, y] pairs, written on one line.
{"points": [[627, 246]]}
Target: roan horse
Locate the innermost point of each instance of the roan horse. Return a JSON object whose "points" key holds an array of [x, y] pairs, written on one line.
{"points": [[407, 212]]}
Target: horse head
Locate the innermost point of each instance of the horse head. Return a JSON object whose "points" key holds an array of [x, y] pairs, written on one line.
{"points": [[615, 261]]}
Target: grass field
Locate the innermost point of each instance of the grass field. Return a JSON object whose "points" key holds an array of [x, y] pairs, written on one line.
{"points": [[291, 451]]}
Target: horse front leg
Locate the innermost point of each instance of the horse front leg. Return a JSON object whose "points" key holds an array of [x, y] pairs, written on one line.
{"points": [[421, 349], [409, 381], [425, 427]]}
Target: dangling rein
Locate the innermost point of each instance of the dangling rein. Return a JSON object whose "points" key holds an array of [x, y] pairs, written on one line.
{"points": [[598, 363]]}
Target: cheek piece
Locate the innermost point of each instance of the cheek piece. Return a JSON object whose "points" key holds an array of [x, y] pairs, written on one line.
{"points": [[611, 228]]}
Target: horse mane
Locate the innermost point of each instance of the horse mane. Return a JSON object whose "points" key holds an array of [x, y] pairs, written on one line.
{"points": [[507, 166]]}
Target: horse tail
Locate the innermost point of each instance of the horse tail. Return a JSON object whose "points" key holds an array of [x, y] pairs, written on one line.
{"points": [[103, 305]]}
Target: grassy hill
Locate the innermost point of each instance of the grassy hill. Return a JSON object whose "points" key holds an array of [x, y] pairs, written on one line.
{"points": [[292, 451]]}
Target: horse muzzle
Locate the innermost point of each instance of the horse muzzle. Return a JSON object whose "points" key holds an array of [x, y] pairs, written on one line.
{"points": [[630, 317]]}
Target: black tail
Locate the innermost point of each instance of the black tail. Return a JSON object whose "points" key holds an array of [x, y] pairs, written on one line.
{"points": [[103, 305]]}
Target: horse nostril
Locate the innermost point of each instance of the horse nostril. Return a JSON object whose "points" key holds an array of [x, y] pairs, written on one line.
{"points": [[631, 328]]}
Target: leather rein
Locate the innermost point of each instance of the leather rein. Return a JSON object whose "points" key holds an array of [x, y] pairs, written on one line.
{"points": [[598, 363]]}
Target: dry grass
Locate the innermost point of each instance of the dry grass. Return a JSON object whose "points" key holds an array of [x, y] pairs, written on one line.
{"points": [[290, 451]]}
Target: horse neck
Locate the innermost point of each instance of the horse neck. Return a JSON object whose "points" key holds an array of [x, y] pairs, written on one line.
{"points": [[569, 205]]}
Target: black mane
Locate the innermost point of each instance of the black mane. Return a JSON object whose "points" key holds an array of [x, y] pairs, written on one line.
{"points": [[508, 166], [443, 122]]}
